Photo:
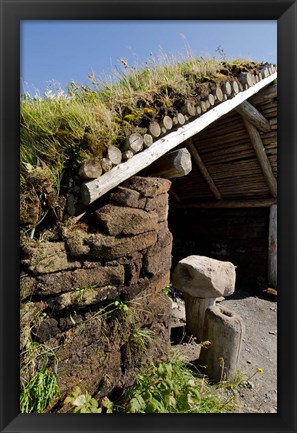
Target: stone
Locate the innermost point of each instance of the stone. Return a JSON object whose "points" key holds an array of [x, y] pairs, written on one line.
{"points": [[158, 204], [203, 277], [45, 257], [148, 186], [29, 312], [158, 262], [109, 247], [118, 220], [128, 197], [57, 282], [164, 239], [223, 329]]}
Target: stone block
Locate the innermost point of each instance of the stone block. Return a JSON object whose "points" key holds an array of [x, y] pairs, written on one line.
{"points": [[45, 257], [158, 204], [164, 239], [57, 282], [203, 277], [157, 263], [118, 220], [128, 197], [109, 247], [148, 186]]}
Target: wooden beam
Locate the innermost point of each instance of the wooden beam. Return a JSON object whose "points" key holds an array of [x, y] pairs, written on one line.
{"points": [[174, 195], [272, 247], [269, 92], [96, 188], [174, 164], [251, 114], [226, 204], [263, 160], [196, 157]]}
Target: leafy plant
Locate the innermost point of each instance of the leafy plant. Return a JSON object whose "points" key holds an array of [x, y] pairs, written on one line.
{"points": [[85, 403], [141, 337], [171, 387], [38, 392]]}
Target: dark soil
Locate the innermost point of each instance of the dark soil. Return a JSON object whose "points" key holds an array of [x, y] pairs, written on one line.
{"points": [[259, 348]]}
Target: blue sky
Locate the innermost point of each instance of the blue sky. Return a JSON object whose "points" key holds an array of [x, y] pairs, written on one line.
{"points": [[64, 51]]}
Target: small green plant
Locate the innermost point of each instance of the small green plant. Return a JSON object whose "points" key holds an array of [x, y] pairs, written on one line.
{"points": [[38, 392], [172, 387], [141, 337], [85, 403]]}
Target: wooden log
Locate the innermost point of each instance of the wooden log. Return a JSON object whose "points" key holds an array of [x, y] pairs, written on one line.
{"points": [[211, 99], [218, 94], [106, 164], [207, 104], [174, 164], [264, 72], [189, 109], [203, 107], [166, 123], [196, 157], [147, 140], [127, 154], [227, 89], [94, 189], [227, 204], [235, 88], [245, 78], [90, 169], [154, 129], [263, 160], [272, 247], [114, 155], [179, 119], [134, 143], [199, 110], [250, 113]]}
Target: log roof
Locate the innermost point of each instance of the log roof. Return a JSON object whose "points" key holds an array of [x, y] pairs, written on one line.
{"points": [[234, 157]]}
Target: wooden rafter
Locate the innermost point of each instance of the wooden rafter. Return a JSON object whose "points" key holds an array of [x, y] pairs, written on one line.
{"points": [[227, 204], [262, 158], [196, 157], [250, 113], [269, 92]]}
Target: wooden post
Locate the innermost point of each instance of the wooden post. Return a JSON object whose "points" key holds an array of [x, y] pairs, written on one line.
{"points": [[174, 164], [263, 160], [272, 247], [203, 170], [251, 114]]}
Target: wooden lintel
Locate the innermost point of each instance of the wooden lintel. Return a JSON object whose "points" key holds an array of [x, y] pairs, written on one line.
{"points": [[251, 114], [92, 190], [263, 160], [227, 204], [196, 157], [174, 164]]}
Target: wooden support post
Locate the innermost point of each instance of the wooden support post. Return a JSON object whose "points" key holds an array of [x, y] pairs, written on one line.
{"points": [[174, 164], [272, 247], [251, 114], [203, 170], [263, 160]]}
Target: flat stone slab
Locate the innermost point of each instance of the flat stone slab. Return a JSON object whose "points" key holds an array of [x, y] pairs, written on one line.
{"points": [[203, 277]]}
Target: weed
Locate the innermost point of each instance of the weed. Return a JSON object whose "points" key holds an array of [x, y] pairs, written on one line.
{"points": [[171, 387], [85, 403], [38, 392], [141, 337]]}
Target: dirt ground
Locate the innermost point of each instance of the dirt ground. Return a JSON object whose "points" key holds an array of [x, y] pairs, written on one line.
{"points": [[259, 348]]}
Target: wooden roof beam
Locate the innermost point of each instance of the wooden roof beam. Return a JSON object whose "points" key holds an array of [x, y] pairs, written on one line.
{"points": [[250, 113], [263, 160], [269, 92], [196, 157], [227, 204]]}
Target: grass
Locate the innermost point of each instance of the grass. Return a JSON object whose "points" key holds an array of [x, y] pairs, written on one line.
{"points": [[60, 130]]}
